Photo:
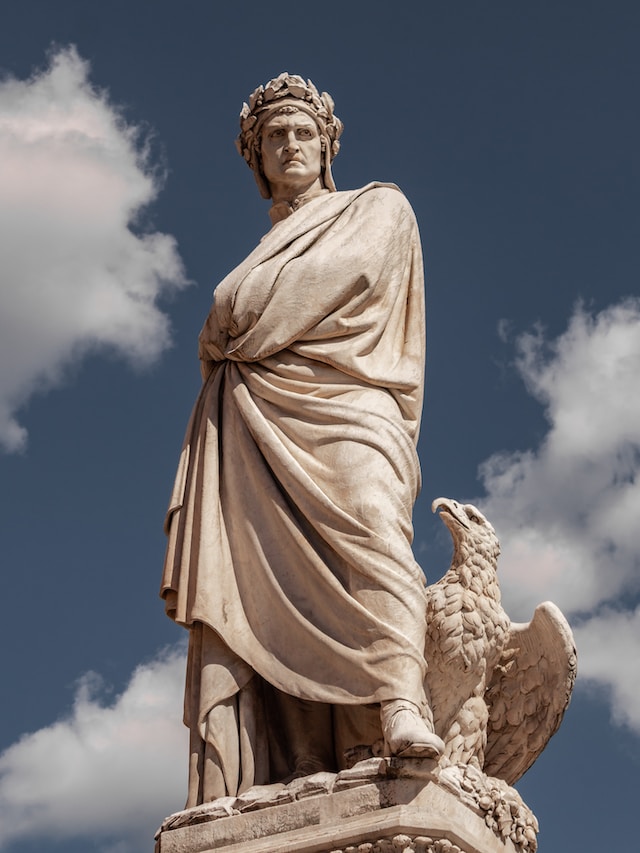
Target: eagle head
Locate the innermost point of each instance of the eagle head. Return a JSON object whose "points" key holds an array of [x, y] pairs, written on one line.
{"points": [[470, 530]]}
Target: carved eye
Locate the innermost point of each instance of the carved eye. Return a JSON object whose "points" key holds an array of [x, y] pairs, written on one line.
{"points": [[473, 517]]}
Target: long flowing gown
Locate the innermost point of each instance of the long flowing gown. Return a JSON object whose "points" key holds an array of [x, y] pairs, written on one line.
{"points": [[289, 531]]}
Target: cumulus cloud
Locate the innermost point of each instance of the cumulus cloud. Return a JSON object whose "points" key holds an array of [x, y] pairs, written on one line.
{"points": [[609, 645], [567, 511], [75, 276], [106, 771]]}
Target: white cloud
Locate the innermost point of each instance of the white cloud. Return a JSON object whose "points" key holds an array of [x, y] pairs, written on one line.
{"points": [[610, 650], [74, 277], [567, 511], [109, 772]]}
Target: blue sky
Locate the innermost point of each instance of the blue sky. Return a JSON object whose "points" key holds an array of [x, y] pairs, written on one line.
{"points": [[513, 128]]}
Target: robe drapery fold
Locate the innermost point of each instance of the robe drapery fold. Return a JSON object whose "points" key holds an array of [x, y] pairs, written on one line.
{"points": [[289, 551]]}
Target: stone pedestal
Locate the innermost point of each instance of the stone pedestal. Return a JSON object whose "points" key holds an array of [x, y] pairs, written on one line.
{"points": [[384, 805]]}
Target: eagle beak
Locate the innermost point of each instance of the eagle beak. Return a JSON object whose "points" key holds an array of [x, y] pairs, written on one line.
{"points": [[452, 509]]}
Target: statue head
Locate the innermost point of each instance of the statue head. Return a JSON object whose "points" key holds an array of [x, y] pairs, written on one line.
{"points": [[286, 94]]}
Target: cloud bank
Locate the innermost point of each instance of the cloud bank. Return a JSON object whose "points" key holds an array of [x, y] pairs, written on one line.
{"points": [[567, 512], [74, 277], [106, 772]]}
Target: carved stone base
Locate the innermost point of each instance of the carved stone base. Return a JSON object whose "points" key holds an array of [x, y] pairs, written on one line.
{"points": [[385, 805]]}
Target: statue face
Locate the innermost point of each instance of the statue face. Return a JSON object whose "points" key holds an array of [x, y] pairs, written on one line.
{"points": [[291, 154]]}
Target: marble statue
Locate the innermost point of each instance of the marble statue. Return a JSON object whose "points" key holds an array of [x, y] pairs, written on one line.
{"points": [[498, 689], [312, 634], [289, 556]]}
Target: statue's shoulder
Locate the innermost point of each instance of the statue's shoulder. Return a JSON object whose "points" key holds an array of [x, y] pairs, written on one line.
{"points": [[376, 190], [383, 196]]}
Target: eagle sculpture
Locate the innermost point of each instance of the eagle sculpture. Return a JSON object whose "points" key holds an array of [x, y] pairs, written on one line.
{"points": [[498, 690]]}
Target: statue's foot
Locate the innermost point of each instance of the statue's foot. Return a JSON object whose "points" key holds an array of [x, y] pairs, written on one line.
{"points": [[406, 733]]}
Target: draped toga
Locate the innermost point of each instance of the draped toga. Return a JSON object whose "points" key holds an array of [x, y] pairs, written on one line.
{"points": [[289, 530]]}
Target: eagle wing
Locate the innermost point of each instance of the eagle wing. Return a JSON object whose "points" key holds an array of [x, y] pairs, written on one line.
{"points": [[529, 692]]}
